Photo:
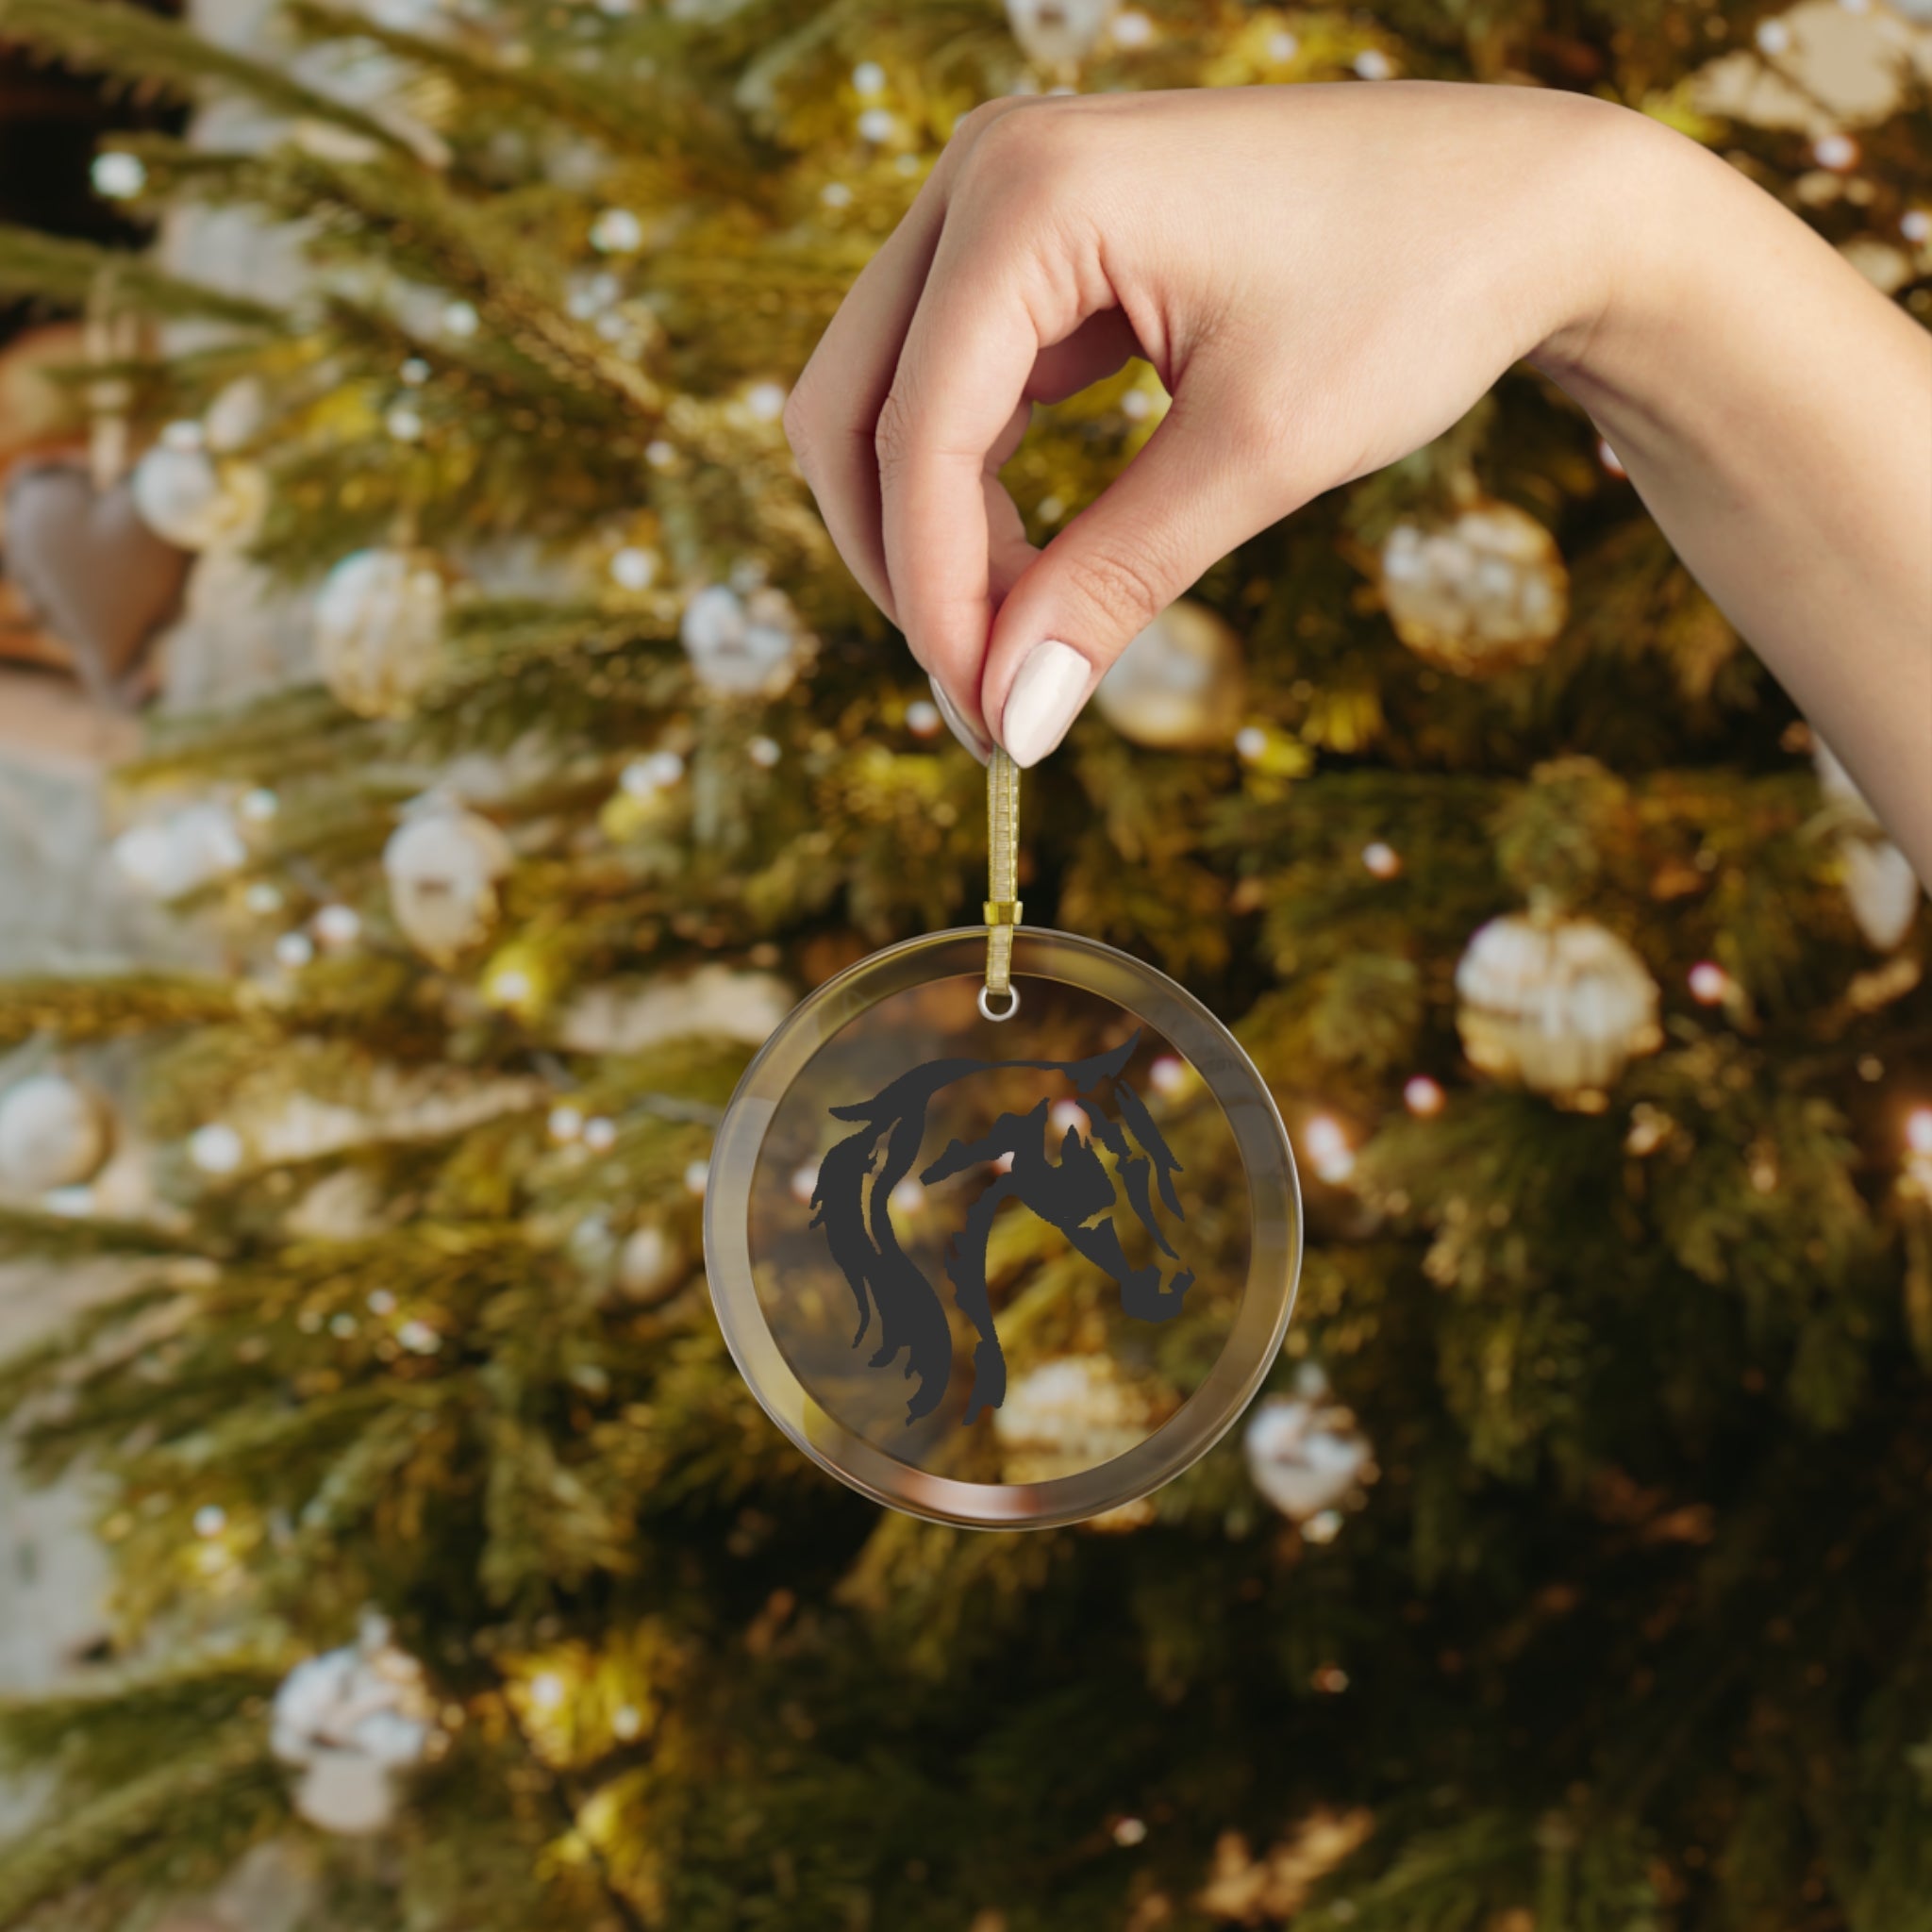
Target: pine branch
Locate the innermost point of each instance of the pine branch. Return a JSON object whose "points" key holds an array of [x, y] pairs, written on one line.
{"points": [[216, 1792], [678, 125], [77, 273], [112, 1005], [163, 55]]}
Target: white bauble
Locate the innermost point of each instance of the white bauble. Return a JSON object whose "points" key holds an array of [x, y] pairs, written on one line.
{"points": [[1059, 33], [54, 1133], [442, 865], [1880, 885], [197, 501], [742, 646], [378, 628], [170, 857], [350, 1719], [1179, 684], [346, 1792], [1558, 1004], [1066, 1415], [1304, 1454], [651, 1264], [1482, 593]]}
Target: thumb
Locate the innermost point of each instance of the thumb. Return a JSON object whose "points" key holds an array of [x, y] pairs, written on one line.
{"points": [[1198, 489]]}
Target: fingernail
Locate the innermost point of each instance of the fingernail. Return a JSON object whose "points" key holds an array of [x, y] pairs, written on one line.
{"points": [[1044, 701], [957, 725]]}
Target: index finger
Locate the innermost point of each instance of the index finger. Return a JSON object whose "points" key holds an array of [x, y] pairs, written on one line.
{"points": [[984, 317], [832, 416]]}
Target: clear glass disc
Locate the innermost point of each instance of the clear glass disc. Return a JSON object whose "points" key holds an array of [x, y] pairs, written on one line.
{"points": [[1006, 1273]]}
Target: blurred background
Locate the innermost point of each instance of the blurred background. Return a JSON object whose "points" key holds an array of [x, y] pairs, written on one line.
{"points": [[438, 744]]}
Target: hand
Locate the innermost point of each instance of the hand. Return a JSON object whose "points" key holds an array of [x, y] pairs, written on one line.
{"points": [[1325, 278]]}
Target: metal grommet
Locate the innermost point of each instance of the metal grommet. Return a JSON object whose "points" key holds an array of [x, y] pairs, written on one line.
{"points": [[985, 1012]]}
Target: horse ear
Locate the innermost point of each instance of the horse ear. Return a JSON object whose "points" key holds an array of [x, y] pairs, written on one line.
{"points": [[1088, 1074]]}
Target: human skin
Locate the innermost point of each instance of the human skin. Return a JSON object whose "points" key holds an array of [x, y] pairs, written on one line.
{"points": [[1325, 278]]}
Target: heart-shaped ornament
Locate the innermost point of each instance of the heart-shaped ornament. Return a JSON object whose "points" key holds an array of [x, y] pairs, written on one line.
{"points": [[92, 571]]}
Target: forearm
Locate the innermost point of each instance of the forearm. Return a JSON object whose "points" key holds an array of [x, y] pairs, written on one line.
{"points": [[1775, 413]]}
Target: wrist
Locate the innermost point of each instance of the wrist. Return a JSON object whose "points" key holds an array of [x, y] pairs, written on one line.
{"points": [[1631, 206]]}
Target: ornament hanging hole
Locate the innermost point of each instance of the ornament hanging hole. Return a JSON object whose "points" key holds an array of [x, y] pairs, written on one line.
{"points": [[986, 1011]]}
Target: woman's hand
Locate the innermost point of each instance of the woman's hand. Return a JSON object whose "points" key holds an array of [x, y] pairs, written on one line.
{"points": [[1325, 278]]}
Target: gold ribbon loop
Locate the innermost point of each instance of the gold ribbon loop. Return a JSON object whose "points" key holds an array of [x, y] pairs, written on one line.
{"points": [[1003, 884]]}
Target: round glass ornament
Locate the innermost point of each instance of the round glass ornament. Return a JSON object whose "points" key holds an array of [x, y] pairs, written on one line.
{"points": [[1009, 1262]]}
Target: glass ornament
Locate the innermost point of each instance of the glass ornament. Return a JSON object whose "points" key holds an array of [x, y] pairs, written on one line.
{"points": [[986, 1153]]}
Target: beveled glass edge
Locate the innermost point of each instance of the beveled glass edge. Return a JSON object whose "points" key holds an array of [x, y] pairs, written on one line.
{"points": [[1274, 1232]]}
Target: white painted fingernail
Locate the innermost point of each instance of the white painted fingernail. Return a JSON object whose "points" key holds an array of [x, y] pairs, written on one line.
{"points": [[1044, 701], [957, 725]]}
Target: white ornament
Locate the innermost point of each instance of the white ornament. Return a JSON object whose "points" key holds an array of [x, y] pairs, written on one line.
{"points": [[442, 865], [171, 856], [1304, 1453], [1486, 592], [1069, 1414], [745, 645], [1179, 684], [1559, 1005], [1880, 885], [351, 1721], [195, 500], [54, 1133], [651, 1264], [632, 1016], [378, 629], [1059, 33]]}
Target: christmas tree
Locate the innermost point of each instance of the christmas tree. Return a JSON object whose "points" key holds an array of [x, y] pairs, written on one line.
{"points": [[1572, 1572]]}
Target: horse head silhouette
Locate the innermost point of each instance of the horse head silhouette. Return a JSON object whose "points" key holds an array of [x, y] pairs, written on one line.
{"points": [[1074, 1192]]}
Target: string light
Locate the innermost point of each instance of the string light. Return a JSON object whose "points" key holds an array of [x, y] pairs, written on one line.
{"points": [[658, 772], [1328, 1149], [1709, 983], [566, 1124], [869, 77], [763, 752], [600, 1134], [805, 1183], [216, 1149], [1250, 741], [419, 1337], [1168, 1075], [1838, 152], [1382, 860], [617, 231], [1918, 1130], [923, 719], [1423, 1097], [634, 568], [117, 176], [294, 950], [338, 925]]}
